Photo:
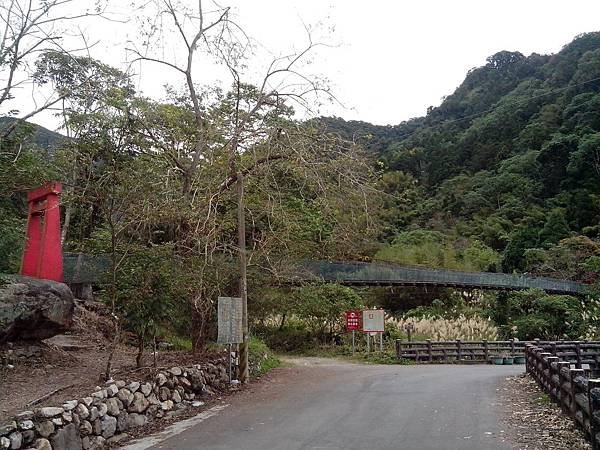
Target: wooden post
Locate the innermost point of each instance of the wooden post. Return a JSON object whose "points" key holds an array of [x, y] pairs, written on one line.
{"points": [[486, 350], [398, 348], [578, 352], [429, 350], [574, 373], [562, 379], [592, 393], [458, 350], [551, 371], [512, 346], [553, 348]]}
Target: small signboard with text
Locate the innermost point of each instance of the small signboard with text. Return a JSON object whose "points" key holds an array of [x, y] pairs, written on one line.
{"points": [[373, 321], [230, 320], [352, 321]]}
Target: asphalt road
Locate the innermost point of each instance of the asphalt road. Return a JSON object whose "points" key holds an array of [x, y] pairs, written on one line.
{"points": [[331, 405]]}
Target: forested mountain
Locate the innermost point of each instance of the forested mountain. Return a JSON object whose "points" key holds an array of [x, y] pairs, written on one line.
{"points": [[510, 160]]}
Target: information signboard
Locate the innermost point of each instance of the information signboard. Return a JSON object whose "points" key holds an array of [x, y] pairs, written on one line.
{"points": [[373, 321], [352, 320], [229, 315]]}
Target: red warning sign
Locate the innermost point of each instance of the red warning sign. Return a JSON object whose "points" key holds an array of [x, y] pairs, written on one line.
{"points": [[352, 320]]}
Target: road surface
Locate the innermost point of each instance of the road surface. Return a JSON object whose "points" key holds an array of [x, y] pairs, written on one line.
{"points": [[325, 404]]}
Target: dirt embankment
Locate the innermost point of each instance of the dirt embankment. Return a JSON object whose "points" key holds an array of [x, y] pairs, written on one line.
{"points": [[72, 365]]}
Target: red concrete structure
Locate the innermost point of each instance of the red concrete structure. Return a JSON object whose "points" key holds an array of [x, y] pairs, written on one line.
{"points": [[42, 257]]}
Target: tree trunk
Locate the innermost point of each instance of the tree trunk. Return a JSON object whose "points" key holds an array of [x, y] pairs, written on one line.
{"points": [[198, 331], [140, 353]]}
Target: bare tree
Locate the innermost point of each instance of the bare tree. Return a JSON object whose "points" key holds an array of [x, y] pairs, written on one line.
{"points": [[251, 106], [29, 28]]}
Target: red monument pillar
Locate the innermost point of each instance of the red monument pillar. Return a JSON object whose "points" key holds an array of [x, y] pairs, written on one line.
{"points": [[42, 257]]}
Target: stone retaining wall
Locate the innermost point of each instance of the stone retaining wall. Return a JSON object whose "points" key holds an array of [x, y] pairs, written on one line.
{"points": [[107, 414]]}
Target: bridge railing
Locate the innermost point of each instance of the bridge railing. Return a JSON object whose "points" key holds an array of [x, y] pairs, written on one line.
{"points": [[385, 273], [579, 352], [570, 383]]}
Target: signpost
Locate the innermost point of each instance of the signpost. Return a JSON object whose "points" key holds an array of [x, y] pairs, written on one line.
{"points": [[352, 324], [373, 322], [230, 323]]}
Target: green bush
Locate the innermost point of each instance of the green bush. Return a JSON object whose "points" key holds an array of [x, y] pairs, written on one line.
{"points": [[260, 358]]}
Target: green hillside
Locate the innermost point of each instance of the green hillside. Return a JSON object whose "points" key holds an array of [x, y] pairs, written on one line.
{"points": [[510, 162]]}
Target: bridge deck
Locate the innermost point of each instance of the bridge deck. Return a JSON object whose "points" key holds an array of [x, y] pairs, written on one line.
{"points": [[382, 274]]}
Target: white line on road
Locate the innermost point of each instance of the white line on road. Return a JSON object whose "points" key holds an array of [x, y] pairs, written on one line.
{"points": [[175, 429]]}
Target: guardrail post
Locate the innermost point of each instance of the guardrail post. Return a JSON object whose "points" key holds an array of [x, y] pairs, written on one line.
{"points": [[593, 393], [512, 346], [562, 379], [458, 350], [551, 371], [486, 350], [574, 373], [578, 352], [398, 348], [429, 350]]}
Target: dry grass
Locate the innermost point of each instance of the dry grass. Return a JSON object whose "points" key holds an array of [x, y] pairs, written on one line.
{"points": [[466, 329]]}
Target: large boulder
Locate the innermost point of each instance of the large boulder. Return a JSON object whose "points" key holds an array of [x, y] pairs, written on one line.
{"points": [[32, 309]]}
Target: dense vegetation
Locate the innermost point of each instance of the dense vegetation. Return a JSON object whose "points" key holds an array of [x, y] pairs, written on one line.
{"points": [[502, 176]]}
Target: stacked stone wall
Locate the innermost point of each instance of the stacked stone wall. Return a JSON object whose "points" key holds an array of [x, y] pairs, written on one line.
{"points": [[107, 414]]}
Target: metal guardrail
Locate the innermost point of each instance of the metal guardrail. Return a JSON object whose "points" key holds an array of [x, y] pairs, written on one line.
{"points": [[369, 274]]}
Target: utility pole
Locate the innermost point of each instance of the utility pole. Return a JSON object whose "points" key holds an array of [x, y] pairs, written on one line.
{"points": [[241, 218]]}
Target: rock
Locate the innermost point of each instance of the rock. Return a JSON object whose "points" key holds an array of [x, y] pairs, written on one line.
{"points": [[109, 426], [45, 428], [112, 390], [117, 438], [76, 418], [28, 436], [125, 396], [85, 442], [16, 440], [175, 371], [161, 379], [97, 443], [97, 427], [8, 427], [176, 397], [42, 444], [146, 389], [153, 400], [167, 405], [25, 415], [87, 401], [67, 416], [50, 411], [85, 428], [57, 421], [101, 394], [120, 384], [185, 383], [139, 403], [82, 411], [197, 404], [164, 394], [102, 409], [196, 379], [133, 386], [70, 405], [114, 406], [136, 420], [93, 414], [122, 421], [33, 309], [152, 411], [67, 438], [26, 425], [4, 443]]}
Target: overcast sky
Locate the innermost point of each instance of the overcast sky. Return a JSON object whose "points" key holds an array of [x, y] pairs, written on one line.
{"points": [[388, 60]]}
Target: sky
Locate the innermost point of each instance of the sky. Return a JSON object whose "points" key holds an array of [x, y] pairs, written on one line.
{"points": [[386, 61]]}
